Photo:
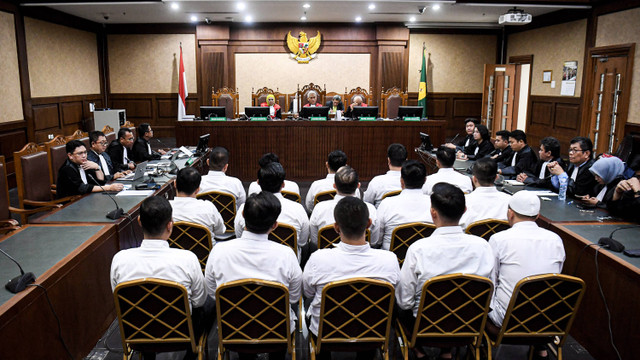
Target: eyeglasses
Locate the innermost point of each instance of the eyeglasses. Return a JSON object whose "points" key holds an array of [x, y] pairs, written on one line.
{"points": [[80, 153], [103, 143], [574, 150]]}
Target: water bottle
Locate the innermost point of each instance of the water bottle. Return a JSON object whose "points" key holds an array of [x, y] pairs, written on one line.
{"points": [[562, 191]]}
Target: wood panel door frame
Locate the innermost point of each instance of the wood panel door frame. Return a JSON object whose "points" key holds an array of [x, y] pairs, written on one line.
{"points": [[594, 54], [495, 123]]}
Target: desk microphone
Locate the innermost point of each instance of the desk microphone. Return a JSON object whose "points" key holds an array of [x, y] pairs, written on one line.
{"points": [[21, 281], [161, 143], [454, 138], [610, 243], [118, 212]]}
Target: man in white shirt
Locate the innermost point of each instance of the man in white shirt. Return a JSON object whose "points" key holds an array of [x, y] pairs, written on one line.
{"points": [[445, 157], [447, 251], [354, 256], [254, 256], [217, 179], [346, 184], [485, 202], [411, 205], [266, 159], [187, 208], [382, 184], [521, 251], [335, 160], [155, 259], [271, 179]]}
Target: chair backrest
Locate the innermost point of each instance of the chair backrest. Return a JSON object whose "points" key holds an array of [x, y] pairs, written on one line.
{"points": [[391, 101], [32, 174], [226, 205], [291, 196], [77, 135], [327, 236], [404, 235], [542, 306], [57, 154], [153, 312], [323, 196], [453, 306], [329, 96], [193, 237], [302, 93], [486, 228], [285, 234], [357, 310], [229, 99], [253, 312], [367, 96], [131, 126], [391, 194], [109, 133], [4, 191], [260, 97]]}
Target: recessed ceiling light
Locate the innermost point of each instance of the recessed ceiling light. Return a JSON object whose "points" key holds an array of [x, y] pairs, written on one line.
{"points": [[304, 18], [194, 18], [436, 7], [175, 6], [412, 19], [248, 18], [372, 6], [306, 6], [241, 6], [358, 19]]}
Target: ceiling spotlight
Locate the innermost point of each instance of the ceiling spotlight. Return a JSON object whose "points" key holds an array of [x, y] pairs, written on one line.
{"points": [[412, 19], [306, 6], [207, 20], [436, 7], [175, 6], [303, 18], [248, 18], [372, 6], [194, 18], [358, 19], [241, 6]]}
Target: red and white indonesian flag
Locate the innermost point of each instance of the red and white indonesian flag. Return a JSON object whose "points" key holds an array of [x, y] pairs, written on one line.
{"points": [[182, 89]]}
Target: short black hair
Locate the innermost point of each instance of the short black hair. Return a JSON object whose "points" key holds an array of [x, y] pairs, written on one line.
{"points": [[271, 177], [518, 135], [73, 145], [448, 200], [352, 216], [397, 154], [484, 132], [155, 214], [504, 134], [188, 180], [267, 159], [414, 174], [143, 129], [346, 180], [585, 144], [94, 136], [123, 132], [261, 211], [446, 156], [336, 160], [485, 171], [218, 158], [552, 144], [473, 120]]}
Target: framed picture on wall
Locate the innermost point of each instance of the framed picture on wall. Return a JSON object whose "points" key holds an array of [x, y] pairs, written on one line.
{"points": [[546, 76]]}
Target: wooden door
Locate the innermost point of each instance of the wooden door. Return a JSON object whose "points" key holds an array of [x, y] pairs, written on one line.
{"points": [[499, 97]]}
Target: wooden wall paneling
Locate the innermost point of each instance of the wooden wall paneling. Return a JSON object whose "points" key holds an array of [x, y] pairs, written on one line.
{"points": [[46, 120], [553, 116], [71, 113], [631, 128], [214, 70], [391, 65], [452, 108]]}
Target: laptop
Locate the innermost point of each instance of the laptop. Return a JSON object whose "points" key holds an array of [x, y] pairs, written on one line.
{"points": [[138, 174]]}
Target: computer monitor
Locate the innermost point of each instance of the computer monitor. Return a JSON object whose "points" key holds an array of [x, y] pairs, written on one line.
{"points": [[256, 111], [364, 111], [410, 111], [314, 111], [212, 111], [425, 142], [203, 144]]}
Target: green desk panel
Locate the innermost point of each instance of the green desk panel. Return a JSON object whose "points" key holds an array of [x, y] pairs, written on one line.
{"points": [[93, 208], [630, 238]]}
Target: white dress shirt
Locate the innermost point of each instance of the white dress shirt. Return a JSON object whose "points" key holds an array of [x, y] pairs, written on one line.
{"points": [[448, 175], [543, 170], [411, 205], [380, 185], [219, 181], [485, 202], [524, 250], [292, 213], [155, 259], [200, 212], [322, 215], [344, 262], [289, 186], [319, 186], [447, 251], [254, 256]]}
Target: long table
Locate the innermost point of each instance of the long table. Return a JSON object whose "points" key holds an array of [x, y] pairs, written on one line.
{"points": [[303, 146]]}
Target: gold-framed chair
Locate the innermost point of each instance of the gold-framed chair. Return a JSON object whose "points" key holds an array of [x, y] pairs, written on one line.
{"points": [[193, 237], [391, 194], [404, 235], [57, 154], [285, 234], [226, 205], [541, 311], [367, 96], [324, 196], [260, 96], [302, 93], [290, 195], [109, 133], [355, 315], [328, 237], [253, 316], [391, 101], [486, 228], [452, 313], [154, 315], [228, 98]]}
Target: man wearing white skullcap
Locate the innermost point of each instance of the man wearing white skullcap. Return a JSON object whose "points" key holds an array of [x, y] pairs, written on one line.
{"points": [[524, 250]]}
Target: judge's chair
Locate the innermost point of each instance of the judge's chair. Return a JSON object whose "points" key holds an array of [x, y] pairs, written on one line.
{"points": [[302, 93], [193, 237], [391, 101], [229, 99], [260, 96], [486, 228], [226, 205], [404, 235], [367, 96]]}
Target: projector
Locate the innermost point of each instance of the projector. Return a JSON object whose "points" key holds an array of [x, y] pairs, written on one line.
{"points": [[515, 17]]}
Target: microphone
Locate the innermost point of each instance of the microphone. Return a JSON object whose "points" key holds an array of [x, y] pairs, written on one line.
{"points": [[161, 143], [21, 281], [454, 138], [610, 243], [118, 212]]}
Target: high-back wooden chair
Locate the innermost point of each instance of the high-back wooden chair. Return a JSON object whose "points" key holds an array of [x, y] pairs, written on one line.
{"points": [[7, 224], [355, 315], [131, 126], [323, 196], [329, 97], [367, 96], [57, 154], [391, 101], [328, 237], [154, 316], [80, 135], [229, 99], [302, 93], [193, 237], [109, 133], [541, 311], [452, 312], [285, 234], [260, 96], [253, 317], [291, 196], [486, 228], [226, 205], [404, 235]]}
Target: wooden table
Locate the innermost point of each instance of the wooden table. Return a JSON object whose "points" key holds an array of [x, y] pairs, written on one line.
{"points": [[303, 146]]}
